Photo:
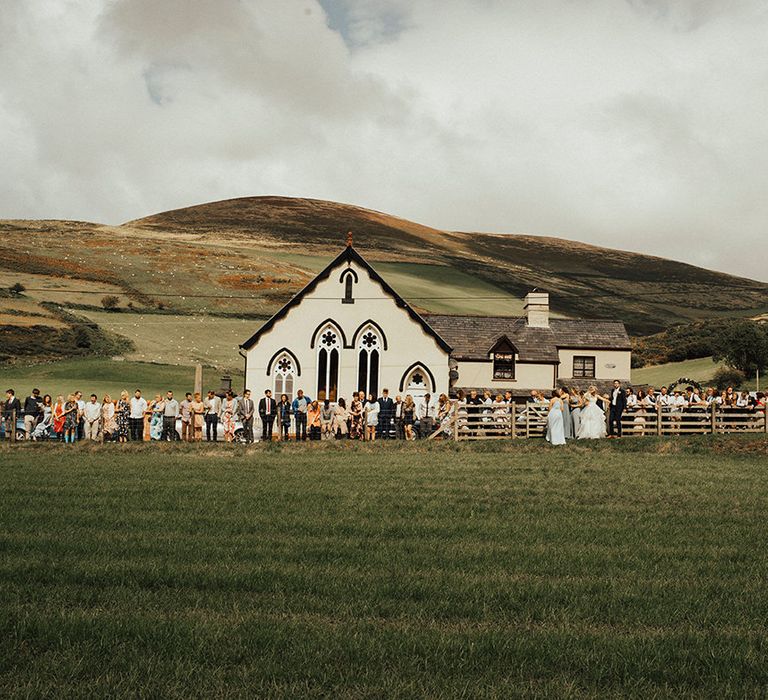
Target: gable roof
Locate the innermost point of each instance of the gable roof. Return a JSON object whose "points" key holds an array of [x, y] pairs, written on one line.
{"points": [[473, 337], [348, 255]]}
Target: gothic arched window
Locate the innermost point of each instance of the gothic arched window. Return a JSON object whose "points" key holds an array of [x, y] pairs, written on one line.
{"points": [[328, 349], [369, 356], [349, 278], [284, 371]]}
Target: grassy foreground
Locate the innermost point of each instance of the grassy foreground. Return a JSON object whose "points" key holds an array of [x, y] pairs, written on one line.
{"points": [[482, 570]]}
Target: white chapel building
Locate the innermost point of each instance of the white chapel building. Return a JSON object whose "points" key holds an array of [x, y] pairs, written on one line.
{"points": [[348, 331]]}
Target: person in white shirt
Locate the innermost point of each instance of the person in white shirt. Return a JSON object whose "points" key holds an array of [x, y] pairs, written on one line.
{"points": [[427, 413], [212, 406], [678, 405], [91, 419], [138, 409]]}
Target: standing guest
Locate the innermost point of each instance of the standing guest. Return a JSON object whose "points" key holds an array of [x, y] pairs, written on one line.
{"points": [[618, 402], [631, 399], [123, 416], [42, 430], [267, 413], [197, 415], [138, 409], [59, 418], [245, 411], [212, 410], [409, 409], [33, 412], [555, 424], [340, 420], [108, 422], [156, 408], [385, 415], [427, 414], [356, 429], [397, 416], [326, 420], [300, 406], [284, 411], [501, 417], [71, 419], [576, 403], [371, 411], [229, 416], [11, 411], [186, 418], [170, 414], [80, 415], [92, 419], [474, 403], [313, 420], [444, 411]]}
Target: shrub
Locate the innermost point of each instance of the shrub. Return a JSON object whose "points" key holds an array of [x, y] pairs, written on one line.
{"points": [[17, 288], [110, 302], [726, 376]]}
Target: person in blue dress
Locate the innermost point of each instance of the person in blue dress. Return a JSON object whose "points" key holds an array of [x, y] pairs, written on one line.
{"points": [[555, 425]]}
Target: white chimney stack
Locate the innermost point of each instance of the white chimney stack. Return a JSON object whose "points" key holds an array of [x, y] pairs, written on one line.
{"points": [[537, 309]]}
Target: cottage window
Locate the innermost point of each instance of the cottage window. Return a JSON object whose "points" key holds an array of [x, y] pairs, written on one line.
{"points": [[584, 367], [503, 365]]}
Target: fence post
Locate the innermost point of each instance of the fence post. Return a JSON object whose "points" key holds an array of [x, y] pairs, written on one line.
{"points": [[527, 420], [456, 421], [513, 423], [714, 418], [13, 425], [658, 420]]}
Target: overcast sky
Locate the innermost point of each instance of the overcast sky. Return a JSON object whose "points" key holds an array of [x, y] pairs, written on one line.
{"points": [[639, 124]]}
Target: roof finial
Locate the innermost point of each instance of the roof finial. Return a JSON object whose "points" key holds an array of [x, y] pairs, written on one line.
{"points": [[349, 239]]}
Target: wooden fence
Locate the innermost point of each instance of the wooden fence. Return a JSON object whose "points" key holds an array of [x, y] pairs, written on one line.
{"points": [[523, 421]]}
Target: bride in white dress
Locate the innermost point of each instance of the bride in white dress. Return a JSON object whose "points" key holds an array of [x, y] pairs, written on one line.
{"points": [[591, 418]]}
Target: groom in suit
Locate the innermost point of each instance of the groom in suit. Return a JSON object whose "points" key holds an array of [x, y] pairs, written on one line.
{"points": [[618, 404], [245, 412], [267, 413]]}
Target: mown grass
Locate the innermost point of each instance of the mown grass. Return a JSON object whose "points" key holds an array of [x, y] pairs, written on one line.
{"points": [[485, 570]]}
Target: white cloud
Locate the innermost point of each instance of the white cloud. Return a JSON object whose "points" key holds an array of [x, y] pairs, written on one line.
{"points": [[642, 125]]}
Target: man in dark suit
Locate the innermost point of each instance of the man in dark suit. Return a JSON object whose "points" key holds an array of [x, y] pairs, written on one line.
{"points": [[386, 414], [618, 399], [267, 413], [245, 410]]}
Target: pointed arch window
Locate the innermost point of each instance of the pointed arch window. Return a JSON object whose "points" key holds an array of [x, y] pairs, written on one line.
{"points": [[328, 355], [368, 361], [348, 278], [284, 371]]}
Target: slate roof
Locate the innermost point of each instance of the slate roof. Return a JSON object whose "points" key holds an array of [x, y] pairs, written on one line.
{"points": [[472, 337]]}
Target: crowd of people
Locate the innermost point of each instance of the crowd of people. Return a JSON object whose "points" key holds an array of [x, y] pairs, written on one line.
{"points": [[134, 418], [567, 412]]}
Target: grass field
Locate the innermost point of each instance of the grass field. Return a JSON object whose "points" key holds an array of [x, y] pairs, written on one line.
{"points": [[105, 376], [355, 571], [701, 370]]}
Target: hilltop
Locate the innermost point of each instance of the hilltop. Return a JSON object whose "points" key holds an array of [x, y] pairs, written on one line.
{"points": [[244, 258]]}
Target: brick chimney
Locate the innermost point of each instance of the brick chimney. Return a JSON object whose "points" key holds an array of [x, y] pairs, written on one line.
{"points": [[537, 309]]}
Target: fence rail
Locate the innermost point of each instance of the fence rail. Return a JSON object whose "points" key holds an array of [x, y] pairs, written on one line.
{"points": [[524, 421]]}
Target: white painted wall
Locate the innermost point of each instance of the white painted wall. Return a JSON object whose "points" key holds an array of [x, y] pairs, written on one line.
{"points": [[527, 376], [407, 341], [609, 364]]}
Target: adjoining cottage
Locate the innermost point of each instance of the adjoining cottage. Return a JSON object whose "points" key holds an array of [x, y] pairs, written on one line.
{"points": [[348, 330]]}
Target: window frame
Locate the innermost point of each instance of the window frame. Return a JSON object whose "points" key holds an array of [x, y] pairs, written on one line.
{"points": [[583, 372]]}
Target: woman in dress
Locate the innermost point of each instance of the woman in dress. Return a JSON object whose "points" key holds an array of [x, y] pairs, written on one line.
{"points": [[71, 419], [575, 403], [409, 408], [108, 422], [313, 420], [284, 411], [356, 418], [444, 413], [341, 420], [555, 421], [371, 411], [156, 409], [123, 416], [592, 418], [228, 416], [58, 418], [197, 416], [564, 394], [326, 420], [42, 430]]}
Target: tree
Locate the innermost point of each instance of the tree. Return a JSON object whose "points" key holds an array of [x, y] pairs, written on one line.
{"points": [[743, 346], [725, 377], [17, 288], [110, 302]]}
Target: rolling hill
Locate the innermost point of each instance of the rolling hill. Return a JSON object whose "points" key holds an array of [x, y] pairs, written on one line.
{"points": [[244, 258]]}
